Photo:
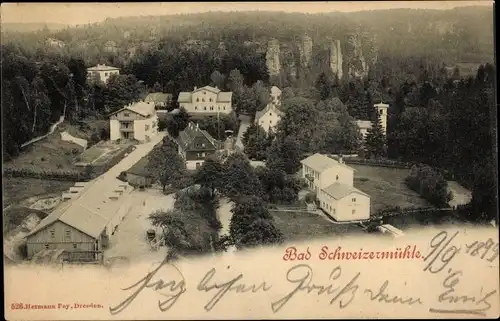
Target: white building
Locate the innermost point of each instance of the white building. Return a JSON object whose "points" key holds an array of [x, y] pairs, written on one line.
{"points": [[137, 121], [365, 125], [206, 101], [333, 182], [275, 95], [101, 73], [269, 117]]}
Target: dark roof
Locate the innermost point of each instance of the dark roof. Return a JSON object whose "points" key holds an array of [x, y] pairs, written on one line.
{"points": [[140, 168], [187, 137]]}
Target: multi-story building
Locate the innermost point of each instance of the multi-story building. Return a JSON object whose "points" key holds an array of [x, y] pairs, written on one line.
{"points": [[333, 183], [269, 117], [101, 73], [206, 101], [137, 121], [365, 125], [275, 96], [195, 145]]}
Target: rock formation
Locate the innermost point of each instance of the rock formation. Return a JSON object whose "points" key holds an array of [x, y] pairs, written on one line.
{"points": [[287, 59], [273, 57], [305, 51], [335, 52], [355, 61]]}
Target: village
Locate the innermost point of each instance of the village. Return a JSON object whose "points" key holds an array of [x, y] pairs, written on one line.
{"points": [[107, 219]]}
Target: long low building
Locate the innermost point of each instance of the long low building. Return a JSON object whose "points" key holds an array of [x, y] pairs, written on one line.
{"points": [[81, 226]]}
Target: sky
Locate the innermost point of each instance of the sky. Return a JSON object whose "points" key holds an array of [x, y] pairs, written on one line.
{"points": [[82, 13]]}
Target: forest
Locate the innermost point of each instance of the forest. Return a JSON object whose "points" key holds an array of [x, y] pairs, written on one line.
{"points": [[441, 118]]}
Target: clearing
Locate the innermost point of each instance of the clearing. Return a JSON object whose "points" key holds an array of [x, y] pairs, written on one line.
{"points": [[298, 226], [386, 187], [17, 189], [100, 153], [53, 153]]}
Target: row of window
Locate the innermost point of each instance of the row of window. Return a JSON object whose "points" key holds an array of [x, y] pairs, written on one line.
{"points": [[203, 100], [211, 108], [74, 246], [329, 208], [67, 234]]}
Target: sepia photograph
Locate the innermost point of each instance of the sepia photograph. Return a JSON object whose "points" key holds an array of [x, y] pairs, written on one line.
{"points": [[249, 160]]}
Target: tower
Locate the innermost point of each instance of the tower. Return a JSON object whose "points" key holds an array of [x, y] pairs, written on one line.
{"points": [[382, 111]]}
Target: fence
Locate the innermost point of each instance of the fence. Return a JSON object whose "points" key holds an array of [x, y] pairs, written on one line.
{"points": [[42, 174], [98, 170]]}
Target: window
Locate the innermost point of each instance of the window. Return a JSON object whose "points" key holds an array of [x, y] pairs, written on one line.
{"points": [[74, 245], [270, 114], [126, 114], [224, 108], [354, 199], [381, 112], [353, 211], [219, 108], [146, 127], [270, 122], [262, 122], [212, 108], [53, 234], [195, 107], [333, 211], [210, 99], [203, 99], [197, 100], [337, 177], [106, 74], [202, 145], [47, 246], [67, 234], [204, 93], [204, 108]]}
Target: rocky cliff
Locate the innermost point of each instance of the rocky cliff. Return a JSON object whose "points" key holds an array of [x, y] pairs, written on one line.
{"points": [[288, 61], [335, 58], [305, 51], [273, 57], [355, 61]]}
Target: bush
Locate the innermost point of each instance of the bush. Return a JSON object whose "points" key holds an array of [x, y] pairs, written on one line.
{"points": [[310, 197], [429, 184]]}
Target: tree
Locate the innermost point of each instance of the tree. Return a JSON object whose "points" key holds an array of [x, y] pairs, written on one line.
{"points": [[235, 80], [260, 232], [285, 155], [165, 164], [375, 141], [157, 88], [210, 175], [324, 85], [239, 177], [256, 142], [217, 79]]}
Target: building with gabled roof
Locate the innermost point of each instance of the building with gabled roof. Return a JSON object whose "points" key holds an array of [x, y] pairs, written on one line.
{"points": [[101, 73], [81, 226], [195, 145], [206, 101], [268, 117], [275, 93], [160, 100], [137, 121], [333, 183]]}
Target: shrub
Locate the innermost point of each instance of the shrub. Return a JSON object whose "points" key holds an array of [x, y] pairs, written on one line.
{"points": [[429, 184], [310, 197]]}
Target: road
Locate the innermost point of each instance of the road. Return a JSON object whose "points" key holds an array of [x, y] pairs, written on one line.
{"points": [[129, 240], [245, 122], [224, 213], [140, 151]]}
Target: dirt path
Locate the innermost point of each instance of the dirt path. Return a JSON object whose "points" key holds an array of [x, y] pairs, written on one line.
{"points": [[51, 130], [244, 124]]}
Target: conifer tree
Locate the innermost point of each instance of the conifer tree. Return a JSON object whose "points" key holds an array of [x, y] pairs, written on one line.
{"points": [[375, 142]]}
